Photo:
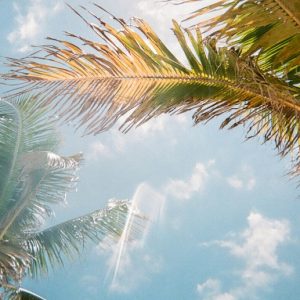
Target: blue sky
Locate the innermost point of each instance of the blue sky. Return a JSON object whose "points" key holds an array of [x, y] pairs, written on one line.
{"points": [[224, 217]]}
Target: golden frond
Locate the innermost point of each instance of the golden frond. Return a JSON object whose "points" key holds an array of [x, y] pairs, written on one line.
{"points": [[131, 72]]}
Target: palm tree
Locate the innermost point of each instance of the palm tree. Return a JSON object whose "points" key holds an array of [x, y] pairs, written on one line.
{"points": [[131, 72], [32, 179]]}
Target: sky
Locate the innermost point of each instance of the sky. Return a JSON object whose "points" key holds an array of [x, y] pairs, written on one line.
{"points": [[224, 216]]}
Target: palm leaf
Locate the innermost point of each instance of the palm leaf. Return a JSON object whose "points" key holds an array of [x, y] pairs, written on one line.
{"points": [[22, 294], [31, 177], [36, 180], [270, 28], [14, 261], [31, 180], [50, 246], [131, 72], [23, 129], [48, 177]]}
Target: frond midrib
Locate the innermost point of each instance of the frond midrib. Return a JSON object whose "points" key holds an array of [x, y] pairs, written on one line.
{"points": [[15, 211], [16, 148], [188, 78], [288, 12]]}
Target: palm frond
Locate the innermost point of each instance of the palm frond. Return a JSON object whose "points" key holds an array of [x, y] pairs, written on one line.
{"points": [[269, 28], [130, 71], [31, 177], [23, 129], [36, 160], [14, 262], [50, 246], [42, 183], [28, 295], [22, 294]]}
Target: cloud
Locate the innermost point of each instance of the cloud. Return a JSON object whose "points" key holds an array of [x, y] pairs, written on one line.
{"points": [[244, 180], [152, 131], [29, 24], [211, 290], [98, 150], [163, 14], [258, 250], [261, 241], [235, 182], [184, 189]]}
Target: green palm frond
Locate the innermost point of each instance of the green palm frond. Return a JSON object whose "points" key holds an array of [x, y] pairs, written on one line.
{"points": [[22, 294], [48, 177], [267, 28], [23, 128], [31, 177], [131, 72], [28, 295], [50, 246]]}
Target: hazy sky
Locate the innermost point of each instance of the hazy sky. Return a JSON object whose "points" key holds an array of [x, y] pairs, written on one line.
{"points": [[224, 217]]}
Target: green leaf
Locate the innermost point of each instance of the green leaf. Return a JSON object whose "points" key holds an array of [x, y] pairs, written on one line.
{"points": [[67, 239]]}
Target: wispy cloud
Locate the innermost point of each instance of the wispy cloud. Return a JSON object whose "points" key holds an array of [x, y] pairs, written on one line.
{"points": [[211, 289], [259, 252], [98, 150], [117, 142], [184, 189], [30, 22], [163, 14], [243, 180]]}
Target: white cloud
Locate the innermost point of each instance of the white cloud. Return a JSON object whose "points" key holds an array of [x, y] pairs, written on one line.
{"points": [[98, 150], [163, 14], [153, 128], [211, 290], [184, 189], [30, 23], [150, 132], [261, 241], [251, 184], [258, 250], [235, 182], [244, 180]]}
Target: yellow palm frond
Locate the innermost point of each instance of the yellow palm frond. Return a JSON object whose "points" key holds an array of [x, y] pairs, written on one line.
{"points": [[131, 72]]}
